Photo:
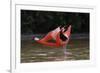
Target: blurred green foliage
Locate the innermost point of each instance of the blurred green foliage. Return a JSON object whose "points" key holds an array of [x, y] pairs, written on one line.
{"points": [[36, 22]]}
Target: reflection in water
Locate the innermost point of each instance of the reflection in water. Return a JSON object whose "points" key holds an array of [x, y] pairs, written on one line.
{"points": [[34, 52]]}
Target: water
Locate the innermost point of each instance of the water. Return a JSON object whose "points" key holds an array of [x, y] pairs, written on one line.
{"points": [[33, 52]]}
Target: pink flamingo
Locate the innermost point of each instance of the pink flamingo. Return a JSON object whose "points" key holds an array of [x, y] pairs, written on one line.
{"points": [[61, 37]]}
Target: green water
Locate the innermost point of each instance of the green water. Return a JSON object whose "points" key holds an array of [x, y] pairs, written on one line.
{"points": [[34, 52]]}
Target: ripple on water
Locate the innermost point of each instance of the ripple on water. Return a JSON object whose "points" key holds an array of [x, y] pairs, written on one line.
{"points": [[42, 54]]}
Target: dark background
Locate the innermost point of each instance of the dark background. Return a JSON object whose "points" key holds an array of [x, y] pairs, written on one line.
{"points": [[41, 22]]}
